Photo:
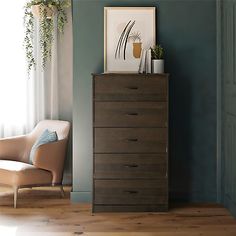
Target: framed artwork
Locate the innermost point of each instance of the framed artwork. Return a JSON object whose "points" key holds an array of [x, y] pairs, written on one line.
{"points": [[127, 32]]}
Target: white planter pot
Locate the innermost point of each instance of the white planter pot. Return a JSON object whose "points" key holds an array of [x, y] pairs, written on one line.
{"points": [[158, 66]]}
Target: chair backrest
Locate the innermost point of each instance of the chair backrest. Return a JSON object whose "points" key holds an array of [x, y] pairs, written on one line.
{"points": [[61, 127]]}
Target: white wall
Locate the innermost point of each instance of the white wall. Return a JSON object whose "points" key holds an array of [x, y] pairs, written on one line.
{"points": [[65, 74]]}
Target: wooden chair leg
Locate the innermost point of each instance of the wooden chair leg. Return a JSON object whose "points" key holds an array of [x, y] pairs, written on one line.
{"points": [[15, 196], [62, 191]]}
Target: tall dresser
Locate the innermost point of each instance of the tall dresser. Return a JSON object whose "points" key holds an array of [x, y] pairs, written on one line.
{"points": [[130, 128]]}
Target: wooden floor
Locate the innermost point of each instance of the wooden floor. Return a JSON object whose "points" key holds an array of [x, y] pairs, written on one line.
{"points": [[42, 212]]}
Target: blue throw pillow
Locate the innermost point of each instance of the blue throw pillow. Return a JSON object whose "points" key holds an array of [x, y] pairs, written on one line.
{"points": [[46, 137]]}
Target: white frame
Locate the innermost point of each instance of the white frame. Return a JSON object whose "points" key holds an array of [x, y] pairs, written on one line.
{"points": [[106, 9]]}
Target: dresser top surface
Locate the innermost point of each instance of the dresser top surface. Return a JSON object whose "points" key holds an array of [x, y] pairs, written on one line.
{"points": [[166, 75]]}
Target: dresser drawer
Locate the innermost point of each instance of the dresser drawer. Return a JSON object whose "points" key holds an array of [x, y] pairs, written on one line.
{"points": [[132, 192], [130, 140], [130, 114], [128, 166], [130, 87]]}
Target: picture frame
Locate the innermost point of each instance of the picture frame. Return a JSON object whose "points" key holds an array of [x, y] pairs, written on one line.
{"points": [[127, 32]]}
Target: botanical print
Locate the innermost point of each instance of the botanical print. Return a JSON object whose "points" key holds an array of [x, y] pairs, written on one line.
{"points": [[128, 36], [128, 31]]}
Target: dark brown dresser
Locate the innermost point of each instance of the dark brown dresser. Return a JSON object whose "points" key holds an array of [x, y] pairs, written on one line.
{"points": [[130, 128]]}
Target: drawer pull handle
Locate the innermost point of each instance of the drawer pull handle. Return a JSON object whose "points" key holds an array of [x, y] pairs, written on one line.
{"points": [[132, 114], [132, 139], [131, 192], [131, 166], [132, 88]]}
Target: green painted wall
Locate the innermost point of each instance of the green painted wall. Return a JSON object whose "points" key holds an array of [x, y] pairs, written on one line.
{"points": [[227, 100], [187, 30]]}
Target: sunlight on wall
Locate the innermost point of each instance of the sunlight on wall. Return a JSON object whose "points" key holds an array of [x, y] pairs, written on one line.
{"points": [[13, 77], [8, 231]]}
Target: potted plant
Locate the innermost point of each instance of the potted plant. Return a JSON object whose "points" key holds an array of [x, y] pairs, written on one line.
{"points": [[135, 37], [46, 11], [39, 8], [157, 59]]}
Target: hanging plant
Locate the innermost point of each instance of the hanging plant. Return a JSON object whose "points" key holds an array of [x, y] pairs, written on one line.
{"points": [[44, 11]]}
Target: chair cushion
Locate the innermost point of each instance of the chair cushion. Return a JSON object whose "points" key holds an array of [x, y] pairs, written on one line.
{"points": [[21, 174], [46, 137]]}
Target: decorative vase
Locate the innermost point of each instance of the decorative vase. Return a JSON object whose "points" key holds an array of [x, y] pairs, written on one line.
{"points": [[36, 9], [137, 49], [158, 66]]}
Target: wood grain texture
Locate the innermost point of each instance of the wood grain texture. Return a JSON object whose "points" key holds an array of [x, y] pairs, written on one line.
{"points": [[130, 87], [127, 166], [130, 140], [130, 192], [130, 124], [130, 114], [42, 212]]}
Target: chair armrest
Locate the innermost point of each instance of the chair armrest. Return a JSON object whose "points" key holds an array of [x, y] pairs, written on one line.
{"points": [[13, 148], [51, 157]]}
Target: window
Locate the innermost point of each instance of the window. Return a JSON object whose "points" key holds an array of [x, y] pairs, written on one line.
{"points": [[13, 76]]}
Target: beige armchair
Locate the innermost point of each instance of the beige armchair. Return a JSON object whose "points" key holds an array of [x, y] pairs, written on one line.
{"points": [[48, 164]]}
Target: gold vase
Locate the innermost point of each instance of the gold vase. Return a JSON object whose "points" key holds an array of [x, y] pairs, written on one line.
{"points": [[137, 49]]}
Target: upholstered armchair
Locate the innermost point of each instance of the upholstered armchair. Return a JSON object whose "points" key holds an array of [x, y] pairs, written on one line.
{"points": [[48, 164]]}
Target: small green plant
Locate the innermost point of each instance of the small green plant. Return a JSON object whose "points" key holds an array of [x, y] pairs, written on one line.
{"points": [[46, 27], [157, 52], [135, 36]]}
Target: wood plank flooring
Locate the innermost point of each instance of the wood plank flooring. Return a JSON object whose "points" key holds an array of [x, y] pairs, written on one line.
{"points": [[43, 212]]}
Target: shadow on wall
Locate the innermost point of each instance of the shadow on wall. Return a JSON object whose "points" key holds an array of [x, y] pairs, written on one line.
{"points": [[180, 163]]}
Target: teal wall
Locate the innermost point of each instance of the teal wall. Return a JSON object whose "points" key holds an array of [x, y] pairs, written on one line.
{"points": [[227, 101], [187, 30]]}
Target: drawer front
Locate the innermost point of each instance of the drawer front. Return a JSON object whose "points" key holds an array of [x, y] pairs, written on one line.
{"points": [[130, 87], [130, 140], [130, 114], [122, 192], [128, 166]]}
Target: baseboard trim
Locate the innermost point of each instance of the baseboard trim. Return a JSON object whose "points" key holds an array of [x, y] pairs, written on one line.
{"points": [[81, 197], [67, 179], [230, 205]]}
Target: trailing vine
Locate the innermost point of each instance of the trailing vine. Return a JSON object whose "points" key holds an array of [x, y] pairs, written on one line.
{"points": [[46, 28], [29, 39], [45, 35]]}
